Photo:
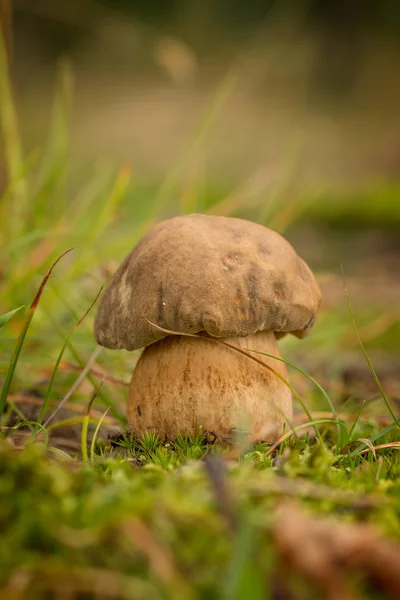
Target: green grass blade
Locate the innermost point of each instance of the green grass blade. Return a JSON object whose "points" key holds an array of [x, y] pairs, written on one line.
{"points": [[12, 146], [374, 438], [55, 159], [60, 453], [368, 360], [356, 421], [85, 425], [13, 408], [104, 214], [243, 579], [313, 423], [59, 359], [314, 381], [213, 110], [31, 423], [67, 422], [299, 370], [107, 401], [96, 432], [21, 339], [9, 315], [101, 214]]}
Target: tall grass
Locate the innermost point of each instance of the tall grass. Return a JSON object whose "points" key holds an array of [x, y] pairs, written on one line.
{"points": [[41, 219]]}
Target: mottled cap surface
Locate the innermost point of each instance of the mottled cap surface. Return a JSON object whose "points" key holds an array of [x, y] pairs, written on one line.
{"points": [[223, 276]]}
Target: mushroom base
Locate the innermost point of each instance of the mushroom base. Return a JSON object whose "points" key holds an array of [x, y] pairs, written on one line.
{"points": [[184, 385]]}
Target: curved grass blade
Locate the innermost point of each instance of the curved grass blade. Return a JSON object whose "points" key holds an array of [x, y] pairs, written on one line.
{"points": [[9, 315], [314, 381], [85, 424], [12, 408], [365, 441], [310, 377], [28, 422], [96, 432], [59, 359], [45, 432], [67, 423], [396, 422], [21, 339], [245, 353], [75, 385], [369, 363], [106, 400], [358, 415], [286, 435], [60, 453], [375, 437]]}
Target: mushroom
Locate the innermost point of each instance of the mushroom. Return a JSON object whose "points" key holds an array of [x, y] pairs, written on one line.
{"points": [[226, 280]]}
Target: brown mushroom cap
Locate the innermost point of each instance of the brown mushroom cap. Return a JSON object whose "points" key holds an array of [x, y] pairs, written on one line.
{"points": [[223, 276]]}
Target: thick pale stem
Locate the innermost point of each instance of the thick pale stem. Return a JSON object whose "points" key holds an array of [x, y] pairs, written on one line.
{"points": [[183, 385]]}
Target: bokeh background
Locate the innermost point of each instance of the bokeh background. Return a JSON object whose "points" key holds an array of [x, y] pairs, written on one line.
{"points": [[285, 112], [316, 84]]}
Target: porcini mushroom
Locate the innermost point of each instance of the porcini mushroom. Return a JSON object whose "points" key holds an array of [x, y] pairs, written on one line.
{"points": [[218, 277]]}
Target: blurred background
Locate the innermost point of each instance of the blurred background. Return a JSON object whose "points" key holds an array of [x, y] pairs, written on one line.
{"points": [[285, 112], [315, 84]]}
